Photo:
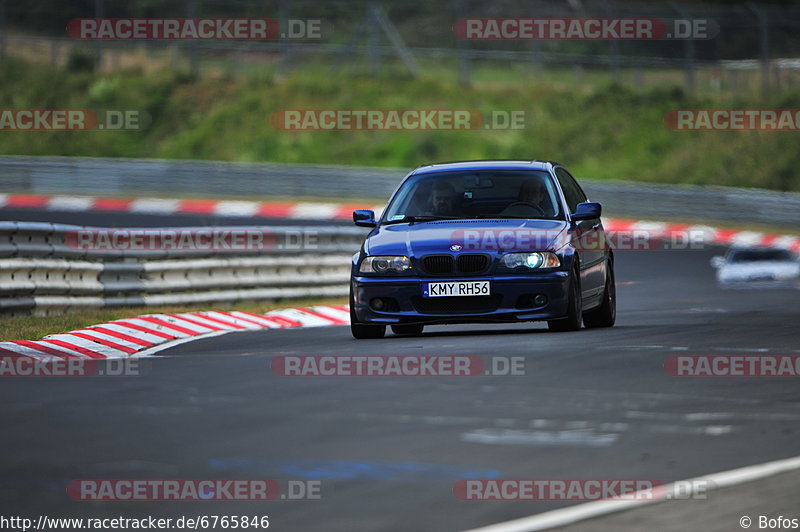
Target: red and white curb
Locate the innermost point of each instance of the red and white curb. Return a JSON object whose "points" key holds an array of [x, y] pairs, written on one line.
{"points": [[249, 209], [148, 334], [337, 211], [710, 235]]}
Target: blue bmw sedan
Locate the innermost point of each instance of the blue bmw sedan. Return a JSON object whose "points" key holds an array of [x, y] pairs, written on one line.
{"points": [[483, 242]]}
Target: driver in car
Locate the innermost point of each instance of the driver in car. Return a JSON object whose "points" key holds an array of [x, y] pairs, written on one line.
{"points": [[443, 200]]}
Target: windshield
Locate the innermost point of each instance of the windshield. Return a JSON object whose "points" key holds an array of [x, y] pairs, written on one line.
{"points": [[482, 194], [758, 255]]}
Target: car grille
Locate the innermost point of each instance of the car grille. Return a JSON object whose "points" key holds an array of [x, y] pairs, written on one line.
{"points": [[456, 305], [438, 264], [472, 263], [468, 263]]}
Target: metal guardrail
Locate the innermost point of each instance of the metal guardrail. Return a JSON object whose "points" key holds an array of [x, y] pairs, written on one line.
{"points": [[44, 239], [120, 177], [693, 202], [42, 269], [58, 44], [178, 177]]}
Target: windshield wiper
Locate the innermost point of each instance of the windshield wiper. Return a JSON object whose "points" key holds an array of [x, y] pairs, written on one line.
{"points": [[409, 219], [520, 217]]}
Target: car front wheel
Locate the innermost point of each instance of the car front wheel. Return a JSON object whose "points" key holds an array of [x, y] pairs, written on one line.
{"points": [[572, 321], [606, 314]]}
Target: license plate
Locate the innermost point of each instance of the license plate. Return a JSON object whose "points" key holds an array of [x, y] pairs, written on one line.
{"points": [[456, 288]]}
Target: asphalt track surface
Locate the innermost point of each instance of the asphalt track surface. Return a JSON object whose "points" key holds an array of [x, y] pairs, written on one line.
{"points": [[388, 450]]}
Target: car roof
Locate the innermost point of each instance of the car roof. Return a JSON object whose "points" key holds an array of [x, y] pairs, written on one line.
{"points": [[758, 248], [493, 164]]}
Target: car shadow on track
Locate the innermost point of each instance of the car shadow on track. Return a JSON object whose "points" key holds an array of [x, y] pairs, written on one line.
{"points": [[497, 332]]}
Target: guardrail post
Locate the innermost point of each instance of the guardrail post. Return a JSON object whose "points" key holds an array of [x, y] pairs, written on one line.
{"points": [[535, 45], [373, 40], [613, 46], [99, 12], [2, 30], [763, 30], [283, 25], [55, 51], [464, 62], [7, 246], [688, 49], [194, 67]]}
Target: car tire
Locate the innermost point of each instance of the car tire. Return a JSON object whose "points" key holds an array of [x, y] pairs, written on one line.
{"points": [[606, 314], [572, 321], [412, 329], [362, 331]]}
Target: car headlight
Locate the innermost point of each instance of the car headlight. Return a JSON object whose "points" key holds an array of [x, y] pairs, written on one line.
{"points": [[533, 261], [385, 263]]}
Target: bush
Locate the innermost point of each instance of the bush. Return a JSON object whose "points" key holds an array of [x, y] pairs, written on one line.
{"points": [[80, 60]]}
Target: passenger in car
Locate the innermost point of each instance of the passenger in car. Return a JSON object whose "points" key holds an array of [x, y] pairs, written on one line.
{"points": [[532, 192]]}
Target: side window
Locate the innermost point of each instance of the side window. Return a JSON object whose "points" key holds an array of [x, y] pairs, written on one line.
{"points": [[572, 192]]}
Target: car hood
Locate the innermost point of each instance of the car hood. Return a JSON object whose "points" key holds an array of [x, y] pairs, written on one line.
{"points": [[494, 235]]}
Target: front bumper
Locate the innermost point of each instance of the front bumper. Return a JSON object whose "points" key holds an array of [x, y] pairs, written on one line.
{"points": [[510, 299]]}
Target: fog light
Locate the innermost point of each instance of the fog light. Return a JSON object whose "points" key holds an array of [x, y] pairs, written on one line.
{"points": [[540, 300], [376, 303]]}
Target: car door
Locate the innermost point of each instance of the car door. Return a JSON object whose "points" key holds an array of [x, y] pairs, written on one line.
{"points": [[590, 238]]}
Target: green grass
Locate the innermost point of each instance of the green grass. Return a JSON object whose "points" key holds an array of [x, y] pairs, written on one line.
{"points": [[35, 327], [598, 130]]}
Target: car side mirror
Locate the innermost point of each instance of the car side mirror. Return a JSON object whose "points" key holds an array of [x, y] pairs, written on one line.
{"points": [[717, 262], [364, 218], [587, 211]]}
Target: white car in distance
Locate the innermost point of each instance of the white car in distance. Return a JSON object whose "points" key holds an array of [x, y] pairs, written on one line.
{"points": [[757, 268]]}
